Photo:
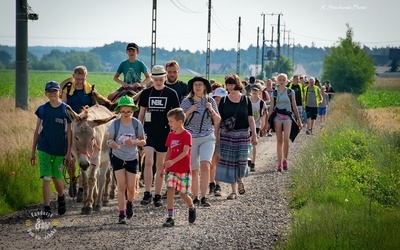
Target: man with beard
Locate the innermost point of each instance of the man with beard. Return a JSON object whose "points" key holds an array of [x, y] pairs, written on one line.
{"points": [[181, 88]]}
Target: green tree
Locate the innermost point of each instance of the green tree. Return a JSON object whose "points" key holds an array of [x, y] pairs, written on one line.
{"points": [[349, 67], [5, 57], [286, 67]]}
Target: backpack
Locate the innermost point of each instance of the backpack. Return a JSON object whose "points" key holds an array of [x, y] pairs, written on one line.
{"points": [[68, 85], [206, 111], [261, 107]]}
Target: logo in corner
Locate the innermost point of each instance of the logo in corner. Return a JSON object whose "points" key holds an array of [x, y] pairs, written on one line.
{"points": [[39, 228]]}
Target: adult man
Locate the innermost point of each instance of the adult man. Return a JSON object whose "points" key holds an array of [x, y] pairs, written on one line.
{"points": [[155, 102], [181, 88], [299, 92], [312, 98]]}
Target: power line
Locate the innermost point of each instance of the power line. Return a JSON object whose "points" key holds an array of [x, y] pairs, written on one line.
{"points": [[216, 17], [187, 10]]}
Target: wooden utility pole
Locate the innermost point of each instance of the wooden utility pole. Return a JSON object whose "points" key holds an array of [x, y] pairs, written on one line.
{"points": [[258, 49], [238, 49]]}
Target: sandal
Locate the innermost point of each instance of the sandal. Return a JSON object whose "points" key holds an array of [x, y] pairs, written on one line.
{"points": [[232, 196], [241, 187]]}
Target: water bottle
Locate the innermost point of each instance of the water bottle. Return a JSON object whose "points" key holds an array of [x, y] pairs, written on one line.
{"points": [[250, 152]]}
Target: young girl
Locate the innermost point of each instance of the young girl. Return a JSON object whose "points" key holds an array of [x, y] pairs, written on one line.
{"points": [[323, 106], [123, 144], [283, 104]]}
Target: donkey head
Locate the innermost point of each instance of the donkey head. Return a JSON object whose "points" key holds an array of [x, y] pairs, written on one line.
{"points": [[85, 137]]}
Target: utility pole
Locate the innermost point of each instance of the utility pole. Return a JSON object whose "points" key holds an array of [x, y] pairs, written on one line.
{"points": [[258, 49], [263, 48], [208, 42], [271, 57], [278, 44], [23, 13], [293, 52], [154, 34], [238, 49], [288, 44], [284, 39]]}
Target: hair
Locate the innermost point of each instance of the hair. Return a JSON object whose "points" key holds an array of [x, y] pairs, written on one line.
{"points": [[177, 113], [234, 79], [311, 79], [216, 85], [171, 63], [80, 70], [281, 75]]}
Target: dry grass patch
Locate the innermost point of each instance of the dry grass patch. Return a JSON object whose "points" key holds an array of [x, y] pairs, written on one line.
{"points": [[16, 125], [387, 83], [385, 118]]}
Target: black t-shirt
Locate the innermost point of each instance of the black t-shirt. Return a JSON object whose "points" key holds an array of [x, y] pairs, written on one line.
{"points": [[181, 89], [158, 103], [297, 92], [228, 108]]}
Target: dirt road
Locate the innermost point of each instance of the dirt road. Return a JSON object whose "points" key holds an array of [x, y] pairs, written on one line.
{"points": [[256, 220]]}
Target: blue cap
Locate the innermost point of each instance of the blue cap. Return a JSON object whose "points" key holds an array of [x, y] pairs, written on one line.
{"points": [[52, 85]]}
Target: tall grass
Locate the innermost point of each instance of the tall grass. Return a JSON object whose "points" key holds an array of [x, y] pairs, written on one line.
{"points": [[346, 188]]}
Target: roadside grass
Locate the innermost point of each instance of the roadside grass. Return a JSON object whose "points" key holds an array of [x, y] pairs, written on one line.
{"points": [[346, 187]]}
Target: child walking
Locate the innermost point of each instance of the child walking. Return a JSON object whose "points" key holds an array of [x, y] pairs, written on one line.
{"points": [[52, 139], [124, 135], [177, 165]]}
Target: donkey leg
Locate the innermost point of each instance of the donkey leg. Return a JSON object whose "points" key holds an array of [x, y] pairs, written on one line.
{"points": [[101, 183]]}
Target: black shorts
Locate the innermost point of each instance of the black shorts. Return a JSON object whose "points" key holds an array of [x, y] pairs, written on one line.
{"points": [[129, 166], [157, 142], [312, 112]]}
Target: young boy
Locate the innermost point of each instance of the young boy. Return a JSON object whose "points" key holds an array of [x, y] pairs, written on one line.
{"points": [[259, 110], [52, 139], [132, 70], [177, 165]]}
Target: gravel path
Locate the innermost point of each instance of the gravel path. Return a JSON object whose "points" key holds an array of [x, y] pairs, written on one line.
{"points": [[256, 220]]}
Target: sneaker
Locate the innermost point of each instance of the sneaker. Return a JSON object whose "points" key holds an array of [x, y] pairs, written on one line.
{"points": [[122, 219], [308, 132], [204, 202], [212, 187], [141, 184], [62, 208], [169, 222], [46, 213], [217, 191], [192, 215], [73, 190], [279, 168], [252, 167], [129, 210], [269, 134], [196, 202], [157, 200], [285, 165], [164, 196], [146, 198], [79, 195]]}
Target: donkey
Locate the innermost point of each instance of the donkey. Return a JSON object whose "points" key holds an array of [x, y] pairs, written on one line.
{"points": [[89, 136]]}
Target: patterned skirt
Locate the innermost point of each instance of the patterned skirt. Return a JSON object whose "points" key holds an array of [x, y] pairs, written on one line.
{"points": [[233, 161]]}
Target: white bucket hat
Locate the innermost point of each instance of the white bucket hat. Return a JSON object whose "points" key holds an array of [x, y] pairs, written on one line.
{"points": [[158, 71]]}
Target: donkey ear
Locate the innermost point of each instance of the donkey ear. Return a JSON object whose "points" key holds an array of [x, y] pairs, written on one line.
{"points": [[99, 122], [72, 115]]}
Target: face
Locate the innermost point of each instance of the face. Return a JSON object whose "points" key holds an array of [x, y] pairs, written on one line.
{"points": [[126, 111], [269, 83], [199, 88], [217, 99], [79, 78], [172, 73], [295, 79], [254, 92], [311, 82], [52, 94], [158, 81], [230, 87], [173, 123], [282, 80], [132, 53]]}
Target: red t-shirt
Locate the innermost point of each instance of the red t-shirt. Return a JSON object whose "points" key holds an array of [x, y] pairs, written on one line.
{"points": [[175, 143]]}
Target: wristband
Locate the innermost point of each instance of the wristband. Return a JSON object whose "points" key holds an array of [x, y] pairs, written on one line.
{"points": [[109, 141]]}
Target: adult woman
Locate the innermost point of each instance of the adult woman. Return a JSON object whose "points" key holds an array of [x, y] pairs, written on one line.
{"points": [[124, 135], [202, 115], [234, 140], [283, 104]]}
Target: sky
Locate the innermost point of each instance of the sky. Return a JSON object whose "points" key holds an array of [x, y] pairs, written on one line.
{"points": [[183, 24]]}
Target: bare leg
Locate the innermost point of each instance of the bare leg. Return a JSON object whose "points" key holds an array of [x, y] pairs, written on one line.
{"points": [[205, 177], [160, 167]]}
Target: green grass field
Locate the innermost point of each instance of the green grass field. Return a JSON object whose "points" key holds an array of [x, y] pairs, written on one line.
{"points": [[103, 82]]}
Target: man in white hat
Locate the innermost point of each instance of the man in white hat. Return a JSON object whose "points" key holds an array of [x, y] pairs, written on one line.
{"points": [[154, 103]]}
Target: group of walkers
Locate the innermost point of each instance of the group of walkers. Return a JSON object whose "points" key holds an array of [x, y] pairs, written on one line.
{"points": [[197, 134]]}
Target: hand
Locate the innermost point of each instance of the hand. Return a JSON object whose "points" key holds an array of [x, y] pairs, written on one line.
{"points": [[129, 142], [33, 159], [168, 164], [193, 108], [254, 140], [114, 145], [209, 106], [125, 85]]}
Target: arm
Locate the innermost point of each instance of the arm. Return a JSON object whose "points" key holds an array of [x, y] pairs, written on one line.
{"points": [[182, 155], [69, 140], [252, 125], [146, 81], [142, 112], [296, 111], [64, 97], [116, 78], [35, 142], [214, 113]]}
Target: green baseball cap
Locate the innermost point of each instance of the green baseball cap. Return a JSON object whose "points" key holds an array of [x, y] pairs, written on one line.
{"points": [[126, 101]]}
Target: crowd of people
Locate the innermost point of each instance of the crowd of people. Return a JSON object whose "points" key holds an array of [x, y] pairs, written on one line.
{"points": [[195, 136]]}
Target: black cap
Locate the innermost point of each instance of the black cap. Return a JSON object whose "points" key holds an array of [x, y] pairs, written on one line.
{"points": [[132, 46]]}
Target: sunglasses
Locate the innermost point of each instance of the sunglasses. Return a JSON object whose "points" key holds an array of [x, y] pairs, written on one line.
{"points": [[126, 112]]}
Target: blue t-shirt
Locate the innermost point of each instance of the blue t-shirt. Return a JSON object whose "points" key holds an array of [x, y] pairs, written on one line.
{"points": [[126, 153], [53, 137], [132, 71], [78, 100]]}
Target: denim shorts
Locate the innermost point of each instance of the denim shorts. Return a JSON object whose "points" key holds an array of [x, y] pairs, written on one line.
{"points": [[322, 111]]}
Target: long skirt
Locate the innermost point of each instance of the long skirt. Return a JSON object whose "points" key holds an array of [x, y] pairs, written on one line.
{"points": [[233, 161]]}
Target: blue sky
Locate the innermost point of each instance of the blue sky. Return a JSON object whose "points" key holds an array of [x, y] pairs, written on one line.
{"points": [[183, 23]]}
